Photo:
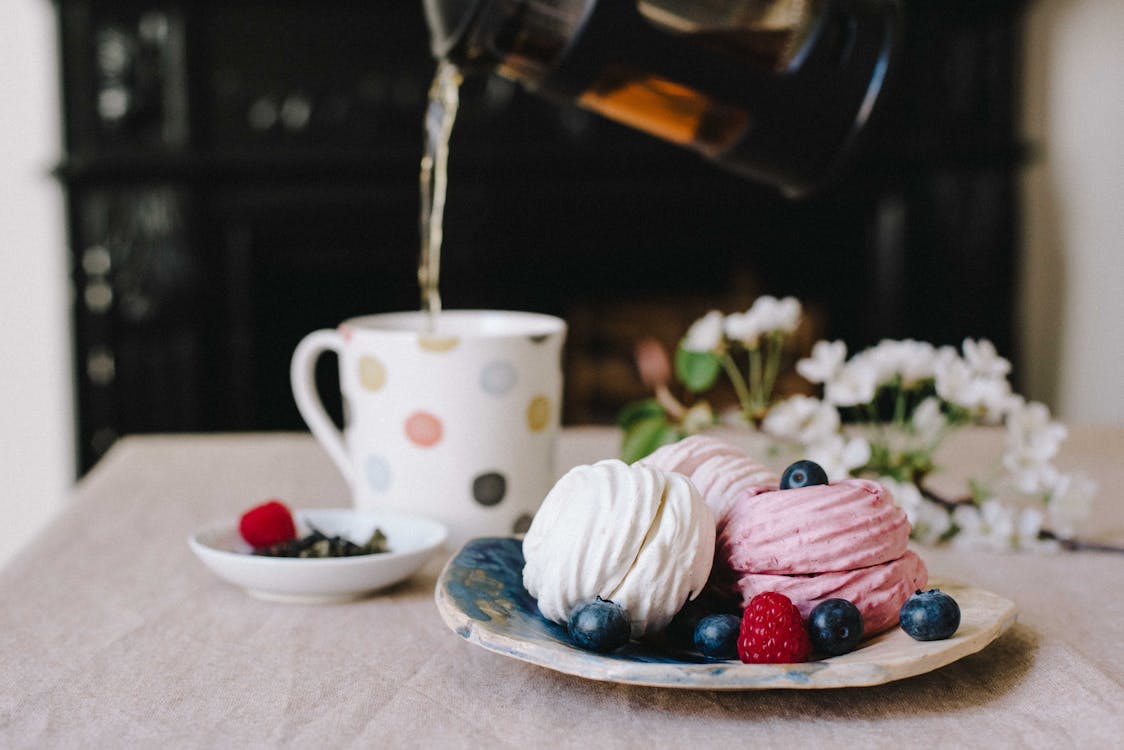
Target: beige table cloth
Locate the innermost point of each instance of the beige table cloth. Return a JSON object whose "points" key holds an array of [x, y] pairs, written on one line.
{"points": [[113, 635]]}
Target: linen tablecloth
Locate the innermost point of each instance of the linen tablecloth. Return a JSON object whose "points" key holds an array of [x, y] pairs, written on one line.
{"points": [[113, 635]]}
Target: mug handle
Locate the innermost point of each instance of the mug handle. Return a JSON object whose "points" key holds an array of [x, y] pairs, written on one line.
{"points": [[302, 374]]}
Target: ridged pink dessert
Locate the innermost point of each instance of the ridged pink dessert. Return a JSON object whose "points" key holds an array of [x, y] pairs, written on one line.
{"points": [[844, 540], [850, 524], [720, 471], [878, 591]]}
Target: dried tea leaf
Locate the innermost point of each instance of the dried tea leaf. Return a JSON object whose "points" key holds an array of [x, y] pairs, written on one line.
{"points": [[318, 544]]}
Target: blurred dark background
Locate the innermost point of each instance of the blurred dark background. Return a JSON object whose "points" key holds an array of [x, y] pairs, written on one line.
{"points": [[241, 172]]}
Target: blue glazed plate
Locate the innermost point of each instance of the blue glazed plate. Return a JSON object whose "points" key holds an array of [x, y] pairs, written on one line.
{"points": [[481, 597]]}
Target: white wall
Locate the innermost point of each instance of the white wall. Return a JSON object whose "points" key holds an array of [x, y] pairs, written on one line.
{"points": [[1073, 281], [36, 424]]}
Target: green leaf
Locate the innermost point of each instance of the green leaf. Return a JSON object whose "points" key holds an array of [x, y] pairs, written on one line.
{"points": [[645, 435], [697, 370], [638, 410]]}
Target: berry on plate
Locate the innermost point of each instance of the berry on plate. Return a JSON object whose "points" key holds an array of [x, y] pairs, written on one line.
{"points": [[716, 636], [803, 474], [835, 627], [930, 615], [599, 625], [772, 631], [267, 524]]}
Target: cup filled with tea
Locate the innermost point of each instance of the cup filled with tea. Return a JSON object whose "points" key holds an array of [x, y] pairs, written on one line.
{"points": [[453, 416]]}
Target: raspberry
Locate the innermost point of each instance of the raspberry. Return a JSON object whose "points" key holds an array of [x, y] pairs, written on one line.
{"points": [[772, 632], [267, 524]]}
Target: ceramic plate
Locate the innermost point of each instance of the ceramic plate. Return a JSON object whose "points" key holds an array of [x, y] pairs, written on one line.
{"points": [[481, 597], [412, 541]]}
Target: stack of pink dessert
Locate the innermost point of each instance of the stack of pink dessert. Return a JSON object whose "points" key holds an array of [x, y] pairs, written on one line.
{"points": [[844, 540]]}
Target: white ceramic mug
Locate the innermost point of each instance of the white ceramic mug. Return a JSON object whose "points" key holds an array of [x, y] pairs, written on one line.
{"points": [[458, 424]]}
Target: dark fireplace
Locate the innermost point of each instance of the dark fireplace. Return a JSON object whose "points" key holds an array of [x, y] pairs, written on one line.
{"points": [[242, 172]]}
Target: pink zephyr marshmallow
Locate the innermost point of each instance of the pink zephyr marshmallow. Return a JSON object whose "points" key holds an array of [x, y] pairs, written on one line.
{"points": [[818, 529], [719, 470], [878, 591]]}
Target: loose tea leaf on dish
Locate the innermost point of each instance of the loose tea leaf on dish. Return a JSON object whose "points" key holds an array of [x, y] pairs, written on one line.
{"points": [[318, 544]]}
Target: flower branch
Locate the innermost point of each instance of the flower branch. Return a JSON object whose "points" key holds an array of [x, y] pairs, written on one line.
{"points": [[882, 413]]}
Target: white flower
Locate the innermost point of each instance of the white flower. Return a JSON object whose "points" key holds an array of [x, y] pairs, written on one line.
{"points": [[839, 455], [996, 526], [802, 419], [912, 361], [880, 359], [945, 354], [824, 364], [984, 361], [928, 421], [1032, 432], [1030, 475], [697, 418], [985, 394], [1071, 501], [992, 398], [954, 380], [766, 315], [777, 314], [705, 334], [1027, 527], [1027, 458], [967, 519], [989, 526], [917, 363], [929, 520], [744, 327], [905, 494], [1011, 528], [1033, 440], [855, 384]]}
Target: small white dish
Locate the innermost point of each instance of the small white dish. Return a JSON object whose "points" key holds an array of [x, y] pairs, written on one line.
{"points": [[412, 541]]}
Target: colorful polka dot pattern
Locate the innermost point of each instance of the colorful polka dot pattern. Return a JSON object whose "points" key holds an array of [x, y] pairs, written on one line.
{"points": [[498, 377], [424, 429], [378, 473], [489, 488], [522, 524], [372, 373], [438, 343], [538, 413]]}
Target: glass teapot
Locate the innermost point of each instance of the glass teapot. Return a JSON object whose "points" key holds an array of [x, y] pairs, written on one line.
{"points": [[777, 90]]}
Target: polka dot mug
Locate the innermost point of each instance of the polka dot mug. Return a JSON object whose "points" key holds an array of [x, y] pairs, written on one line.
{"points": [[458, 424]]}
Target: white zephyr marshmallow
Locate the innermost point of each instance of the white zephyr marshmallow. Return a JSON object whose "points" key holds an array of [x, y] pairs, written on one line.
{"points": [[634, 535]]}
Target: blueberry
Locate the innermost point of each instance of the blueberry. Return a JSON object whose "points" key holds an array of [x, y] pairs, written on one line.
{"points": [[717, 636], [835, 626], [599, 625], [930, 615], [803, 474]]}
